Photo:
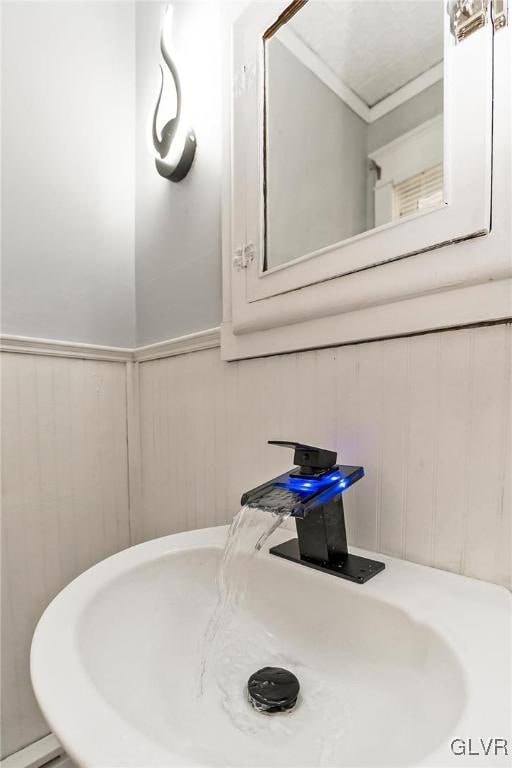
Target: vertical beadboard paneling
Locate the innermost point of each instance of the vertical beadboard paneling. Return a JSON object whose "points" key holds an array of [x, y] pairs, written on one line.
{"points": [[64, 502], [422, 444], [488, 459], [393, 363], [347, 434], [428, 417], [456, 412], [365, 527]]}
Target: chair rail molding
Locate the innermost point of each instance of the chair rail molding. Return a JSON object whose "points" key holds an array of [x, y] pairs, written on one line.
{"points": [[29, 345], [192, 342], [181, 345]]}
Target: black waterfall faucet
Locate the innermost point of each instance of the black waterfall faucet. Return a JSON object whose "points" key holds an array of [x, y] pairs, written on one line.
{"points": [[312, 492]]}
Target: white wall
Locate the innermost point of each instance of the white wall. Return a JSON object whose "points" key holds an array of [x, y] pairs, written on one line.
{"points": [[177, 239], [68, 171], [74, 147]]}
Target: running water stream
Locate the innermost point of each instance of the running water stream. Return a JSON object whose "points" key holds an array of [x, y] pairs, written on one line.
{"points": [[235, 644], [248, 532]]}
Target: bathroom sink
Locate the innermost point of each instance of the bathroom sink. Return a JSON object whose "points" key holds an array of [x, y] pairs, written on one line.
{"points": [[391, 671]]}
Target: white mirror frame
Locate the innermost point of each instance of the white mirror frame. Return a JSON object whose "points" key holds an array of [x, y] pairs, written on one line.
{"points": [[418, 282]]}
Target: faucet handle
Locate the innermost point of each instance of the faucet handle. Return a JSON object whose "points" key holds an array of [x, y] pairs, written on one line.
{"points": [[309, 458]]}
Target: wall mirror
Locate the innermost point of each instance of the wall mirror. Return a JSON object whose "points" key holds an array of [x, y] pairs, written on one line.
{"points": [[353, 120], [358, 162]]}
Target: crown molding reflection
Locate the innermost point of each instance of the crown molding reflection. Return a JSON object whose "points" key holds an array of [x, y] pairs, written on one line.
{"points": [[314, 63]]}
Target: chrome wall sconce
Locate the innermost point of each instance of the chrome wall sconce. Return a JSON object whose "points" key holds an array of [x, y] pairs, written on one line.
{"points": [[177, 146]]}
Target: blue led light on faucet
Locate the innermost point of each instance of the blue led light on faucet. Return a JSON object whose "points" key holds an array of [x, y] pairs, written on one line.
{"points": [[311, 484], [329, 484]]}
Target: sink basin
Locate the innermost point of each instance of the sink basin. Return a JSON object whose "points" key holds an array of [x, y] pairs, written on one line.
{"points": [[391, 671]]}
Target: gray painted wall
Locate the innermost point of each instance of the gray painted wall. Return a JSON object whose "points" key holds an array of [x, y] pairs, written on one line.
{"points": [[407, 116], [177, 235], [67, 171], [317, 176]]}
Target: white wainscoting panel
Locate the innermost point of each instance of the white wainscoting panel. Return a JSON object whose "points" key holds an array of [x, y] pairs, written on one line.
{"points": [[429, 417], [64, 501]]}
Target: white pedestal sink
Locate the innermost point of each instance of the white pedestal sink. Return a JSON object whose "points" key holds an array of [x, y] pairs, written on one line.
{"points": [[391, 671]]}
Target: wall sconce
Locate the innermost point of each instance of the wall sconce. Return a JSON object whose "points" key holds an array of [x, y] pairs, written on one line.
{"points": [[177, 147]]}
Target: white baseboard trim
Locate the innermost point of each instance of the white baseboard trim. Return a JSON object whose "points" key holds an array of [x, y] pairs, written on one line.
{"points": [[38, 754], [181, 345]]}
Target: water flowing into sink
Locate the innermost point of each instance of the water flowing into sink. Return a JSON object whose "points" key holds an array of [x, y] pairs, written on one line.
{"points": [[248, 532], [233, 646]]}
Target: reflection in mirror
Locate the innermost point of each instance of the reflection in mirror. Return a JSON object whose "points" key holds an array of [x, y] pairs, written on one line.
{"points": [[353, 120]]}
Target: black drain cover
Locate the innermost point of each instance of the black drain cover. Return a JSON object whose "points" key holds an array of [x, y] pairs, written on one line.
{"points": [[273, 689]]}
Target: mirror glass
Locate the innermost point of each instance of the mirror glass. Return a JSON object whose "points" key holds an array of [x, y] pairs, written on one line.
{"points": [[353, 120]]}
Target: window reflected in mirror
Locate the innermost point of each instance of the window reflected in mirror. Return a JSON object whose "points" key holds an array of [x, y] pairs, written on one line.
{"points": [[353, 120]]}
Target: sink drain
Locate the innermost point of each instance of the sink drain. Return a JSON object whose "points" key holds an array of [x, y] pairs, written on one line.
{"points": [[273, 689]]}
